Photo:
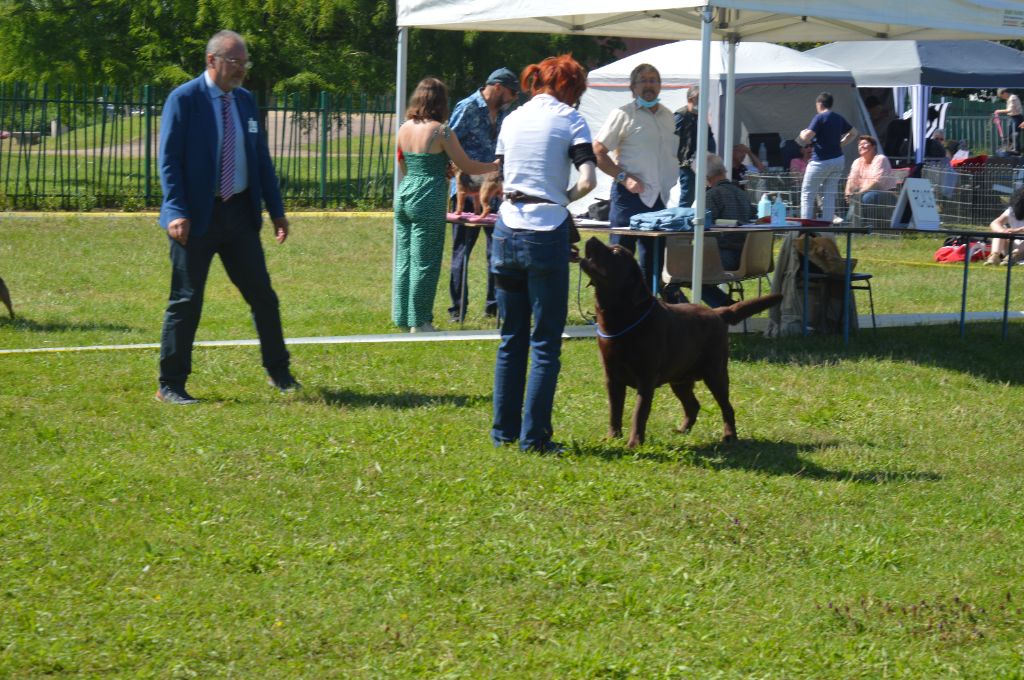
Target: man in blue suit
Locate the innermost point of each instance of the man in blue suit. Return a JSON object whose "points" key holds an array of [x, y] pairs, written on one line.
{"points": [[216, 173]]}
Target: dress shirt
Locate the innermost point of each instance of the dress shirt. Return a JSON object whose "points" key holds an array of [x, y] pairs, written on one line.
{"points": [[241, 169], [535, 141], [644, 143]]}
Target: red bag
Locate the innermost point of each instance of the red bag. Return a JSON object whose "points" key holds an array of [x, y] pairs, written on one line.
{"points": [[957, 251]]}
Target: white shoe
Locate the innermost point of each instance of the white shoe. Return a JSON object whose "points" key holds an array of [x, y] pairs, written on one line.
{"points": [[425, 327]]}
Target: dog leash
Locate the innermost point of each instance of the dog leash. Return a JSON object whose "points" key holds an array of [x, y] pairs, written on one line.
{"points": [[611, 336], [590, 320]]}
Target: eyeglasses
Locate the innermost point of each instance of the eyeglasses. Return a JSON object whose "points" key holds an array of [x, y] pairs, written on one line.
{"points": [[236, 62]]}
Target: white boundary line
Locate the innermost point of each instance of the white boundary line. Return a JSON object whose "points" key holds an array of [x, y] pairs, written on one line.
{"points": [[755, 325]]}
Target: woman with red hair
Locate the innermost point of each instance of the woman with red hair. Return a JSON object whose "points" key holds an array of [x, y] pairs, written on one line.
{"points": [[538, 144]]}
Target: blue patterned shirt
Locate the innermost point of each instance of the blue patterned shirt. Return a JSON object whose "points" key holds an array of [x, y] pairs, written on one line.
{"points": [[471, 123]]}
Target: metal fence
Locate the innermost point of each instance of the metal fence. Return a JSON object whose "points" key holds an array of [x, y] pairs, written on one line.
{"points": [[81, 148]]}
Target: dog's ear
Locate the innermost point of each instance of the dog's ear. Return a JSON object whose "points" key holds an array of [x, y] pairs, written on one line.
{"points": [[638, 289]]}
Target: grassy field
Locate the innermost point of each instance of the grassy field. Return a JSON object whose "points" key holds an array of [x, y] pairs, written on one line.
{"points": [[867, 525]]}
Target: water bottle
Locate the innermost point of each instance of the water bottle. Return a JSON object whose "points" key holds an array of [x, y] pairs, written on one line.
{"points": [[778, 211], [764, 206], [762, 154]]}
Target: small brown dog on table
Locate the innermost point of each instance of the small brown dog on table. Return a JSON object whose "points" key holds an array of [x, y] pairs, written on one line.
{"points": [[481, 189], [646, 343]]}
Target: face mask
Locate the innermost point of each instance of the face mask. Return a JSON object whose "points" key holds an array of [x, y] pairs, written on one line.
{"points": [[644, 104]]}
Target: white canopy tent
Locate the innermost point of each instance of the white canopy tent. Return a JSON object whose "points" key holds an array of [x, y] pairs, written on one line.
{"points": [[775, 90], [730, 20], [921, 65]]}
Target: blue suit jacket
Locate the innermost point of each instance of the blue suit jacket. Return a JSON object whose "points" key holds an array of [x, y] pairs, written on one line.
{"points": [[188, 163]]}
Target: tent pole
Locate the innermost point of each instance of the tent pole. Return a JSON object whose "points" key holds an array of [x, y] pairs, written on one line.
{"points": [[730, 109], [400, 90], [701, 172]]}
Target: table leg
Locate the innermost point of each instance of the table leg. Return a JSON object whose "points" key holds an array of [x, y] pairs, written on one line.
{"points": [[462, 288], [1006, 294], [806, 271], [659, 243], [847, 292], [963, 290]]}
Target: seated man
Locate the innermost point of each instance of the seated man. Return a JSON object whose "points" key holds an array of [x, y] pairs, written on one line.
{"points": [[725, 201], [741, 153], [871, 180]]}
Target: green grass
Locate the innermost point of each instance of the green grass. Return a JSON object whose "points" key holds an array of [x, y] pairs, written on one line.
{"points": [[867, 525]]}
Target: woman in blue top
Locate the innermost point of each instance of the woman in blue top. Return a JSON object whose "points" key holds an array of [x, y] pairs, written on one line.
{"points": [[828, 132]]}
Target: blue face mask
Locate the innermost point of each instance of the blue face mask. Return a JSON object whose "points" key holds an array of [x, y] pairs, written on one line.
{"points": [[644, 104]]}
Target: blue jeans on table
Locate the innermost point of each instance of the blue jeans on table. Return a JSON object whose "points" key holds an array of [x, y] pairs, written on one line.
{"points": [[623, 205], [531, 271]]}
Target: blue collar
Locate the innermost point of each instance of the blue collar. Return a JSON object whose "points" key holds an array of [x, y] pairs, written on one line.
{"points": [[612, 336]]}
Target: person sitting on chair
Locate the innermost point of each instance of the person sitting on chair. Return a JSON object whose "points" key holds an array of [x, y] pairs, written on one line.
{"points": [[870, 181], [725, 201], [1011, 221], [740, 154]]}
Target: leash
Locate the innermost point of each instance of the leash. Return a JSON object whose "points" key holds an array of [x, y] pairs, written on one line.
{"points": [[590, 320], [612, 336]]}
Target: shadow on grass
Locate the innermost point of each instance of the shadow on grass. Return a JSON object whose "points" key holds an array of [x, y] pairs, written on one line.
{"points": [[983, 352], [765, 457], [397, 400], [22, 324]]}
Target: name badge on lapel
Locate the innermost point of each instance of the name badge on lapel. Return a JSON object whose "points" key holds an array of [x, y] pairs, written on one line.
{"points": [[253, 128]]}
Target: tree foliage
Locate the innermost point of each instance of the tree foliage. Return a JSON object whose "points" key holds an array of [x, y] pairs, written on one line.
{"points": [[297, 45]]}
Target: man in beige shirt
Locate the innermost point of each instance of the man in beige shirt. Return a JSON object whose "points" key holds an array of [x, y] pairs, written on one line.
{"points": [[636, 147]]}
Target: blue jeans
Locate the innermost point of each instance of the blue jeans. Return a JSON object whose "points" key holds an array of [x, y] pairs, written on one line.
{"points": [[687, 182], [623, 205], [463, 240], [531, 271], [821, 177]]}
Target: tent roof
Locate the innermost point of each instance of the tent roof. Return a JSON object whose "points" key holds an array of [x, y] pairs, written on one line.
{"points": [[763, 20], [679, 64], [942, 63]]}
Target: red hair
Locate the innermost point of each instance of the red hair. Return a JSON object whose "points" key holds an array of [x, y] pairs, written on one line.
{"points": [[561, 77]]}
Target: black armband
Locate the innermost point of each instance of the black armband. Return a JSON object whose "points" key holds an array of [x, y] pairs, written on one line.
{"points": [[582, 153]]}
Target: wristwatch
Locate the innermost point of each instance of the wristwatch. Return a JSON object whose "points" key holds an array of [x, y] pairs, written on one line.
{"points": [[621, 177]]}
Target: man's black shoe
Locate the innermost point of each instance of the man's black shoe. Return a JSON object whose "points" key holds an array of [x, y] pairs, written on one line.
{"points": [[454, 317], [491, 312], [285, 382], [175, 394]]}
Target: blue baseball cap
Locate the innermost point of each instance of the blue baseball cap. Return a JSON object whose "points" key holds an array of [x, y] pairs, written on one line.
{"points": [[505, 77]]}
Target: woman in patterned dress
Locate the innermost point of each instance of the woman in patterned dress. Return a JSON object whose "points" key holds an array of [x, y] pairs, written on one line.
{"points": [[424, 146]]}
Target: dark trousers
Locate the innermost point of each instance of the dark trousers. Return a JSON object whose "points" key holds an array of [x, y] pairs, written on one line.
{"points": [[623, 205], [463, 240], [232, 236]]}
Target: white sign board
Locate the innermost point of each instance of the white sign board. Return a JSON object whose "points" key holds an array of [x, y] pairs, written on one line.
{"points": [[919, 196]]}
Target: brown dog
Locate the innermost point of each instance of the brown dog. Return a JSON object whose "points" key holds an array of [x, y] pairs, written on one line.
{"points": [[646, 343], [480, 188]]}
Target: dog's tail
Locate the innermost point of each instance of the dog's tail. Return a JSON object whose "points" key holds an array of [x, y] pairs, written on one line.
{"points": [[747, 308]]}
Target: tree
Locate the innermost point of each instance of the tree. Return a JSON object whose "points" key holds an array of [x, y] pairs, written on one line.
{"points": [[296, 45]]}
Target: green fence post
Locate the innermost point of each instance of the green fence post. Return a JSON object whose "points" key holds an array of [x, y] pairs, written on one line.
{"points": [[325, 121], [147, 97]]}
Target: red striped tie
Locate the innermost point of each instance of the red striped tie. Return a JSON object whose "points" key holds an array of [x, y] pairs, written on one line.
{"points": [[227, 150]]}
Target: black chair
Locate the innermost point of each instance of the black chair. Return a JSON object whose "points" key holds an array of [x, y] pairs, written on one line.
{"points": [[858, 281]]}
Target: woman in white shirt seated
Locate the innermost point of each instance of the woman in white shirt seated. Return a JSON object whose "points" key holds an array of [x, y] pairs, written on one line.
{"points": [[1011, 221], [537, 144]]}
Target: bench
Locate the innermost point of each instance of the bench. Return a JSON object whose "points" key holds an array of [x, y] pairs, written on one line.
{"points": [[24, 137]]}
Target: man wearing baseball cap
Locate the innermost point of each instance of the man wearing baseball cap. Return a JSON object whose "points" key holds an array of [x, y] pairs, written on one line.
{"points": [[476, 121]]}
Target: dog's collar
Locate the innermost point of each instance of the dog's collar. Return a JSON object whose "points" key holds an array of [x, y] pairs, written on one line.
{"points": [[611, 336]]}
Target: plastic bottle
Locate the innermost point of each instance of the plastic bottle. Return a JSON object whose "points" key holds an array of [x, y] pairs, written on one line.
{"points": [[762, 154], [778, 211], [764, 206]]}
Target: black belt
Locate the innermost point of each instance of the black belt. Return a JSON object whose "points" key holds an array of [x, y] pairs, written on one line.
{"points": [[218, 199], [520, 197]]}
